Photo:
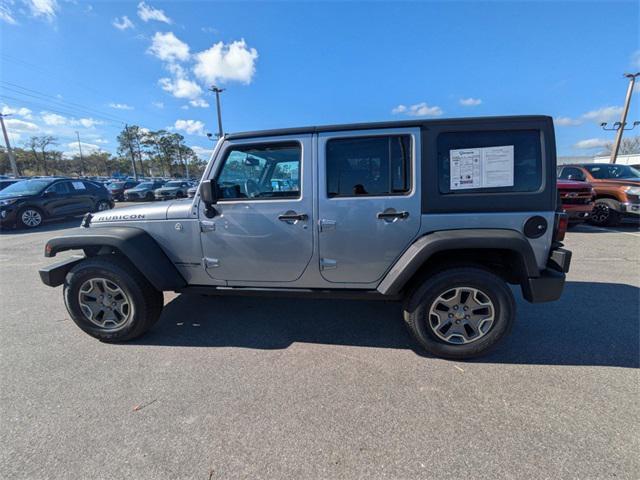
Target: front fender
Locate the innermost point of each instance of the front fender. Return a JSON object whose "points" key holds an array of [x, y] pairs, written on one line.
{"points": [[423, 248], [134, 243]]}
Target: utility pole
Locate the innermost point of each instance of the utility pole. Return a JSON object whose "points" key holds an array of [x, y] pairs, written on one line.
{"points": [[218, 91], [133, 157], [619, 126], [12, 159], [81, 159]]}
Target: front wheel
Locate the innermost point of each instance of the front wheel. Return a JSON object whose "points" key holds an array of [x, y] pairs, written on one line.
{"points": [[110, 300], [30, 217], [102, 205], [604, 212], [460, 313]]}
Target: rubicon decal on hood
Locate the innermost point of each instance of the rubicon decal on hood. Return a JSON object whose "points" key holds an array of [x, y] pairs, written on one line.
{"points": [[113, 218]]}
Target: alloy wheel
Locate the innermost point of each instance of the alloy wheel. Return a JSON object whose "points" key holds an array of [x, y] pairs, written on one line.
{"points": [[601, 212], [102, 206], [461, 315], [104, 304], [31, 218]]}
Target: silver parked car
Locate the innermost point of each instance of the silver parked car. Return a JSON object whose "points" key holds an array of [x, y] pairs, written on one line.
{"points": [[440, 215], [173, 189]]}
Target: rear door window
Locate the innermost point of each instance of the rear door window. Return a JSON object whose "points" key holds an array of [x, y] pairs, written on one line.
{"points": [[368, 166]]}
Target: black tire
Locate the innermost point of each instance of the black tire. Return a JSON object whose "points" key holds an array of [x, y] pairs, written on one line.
{"points": [[104, 204], [146, 302], [419, 302], [605, 213], [21, 220], [149, 196], [179, 195]]}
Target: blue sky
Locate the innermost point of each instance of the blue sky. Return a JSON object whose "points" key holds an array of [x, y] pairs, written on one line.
{"points": [[81, 66]]}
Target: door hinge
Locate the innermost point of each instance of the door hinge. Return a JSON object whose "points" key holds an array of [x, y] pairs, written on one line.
{"points": [[210, 262], [327, 224], [328, 264], [207, 226]]}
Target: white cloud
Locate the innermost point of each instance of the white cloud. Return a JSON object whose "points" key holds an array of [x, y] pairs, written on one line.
{"points": [[635, 59], [226, 62], [21, 112], [158, 104], [470, 102], [6, 15], [604, 114], [43, 8], [600, 115], [120, 106], [147, 12], [418, 110], [20, 126], [87, 149], [122, 23], [566, 121], [192, 127], [204, 153], [168, 47], [591, 143], [199, 102], [181, 87], [53, 119]]}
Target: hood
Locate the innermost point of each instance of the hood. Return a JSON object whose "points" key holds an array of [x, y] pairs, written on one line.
{"points": [[142, 213], [167, 189], [619, 182], [138, 189]]}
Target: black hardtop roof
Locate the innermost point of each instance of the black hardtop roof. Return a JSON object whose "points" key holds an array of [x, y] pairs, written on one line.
{"points": [[379, 125]]}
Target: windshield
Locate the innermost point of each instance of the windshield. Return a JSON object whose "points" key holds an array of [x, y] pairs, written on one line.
{"points": [[145, 185], [25, 187], [602, 172], [173, 184]]}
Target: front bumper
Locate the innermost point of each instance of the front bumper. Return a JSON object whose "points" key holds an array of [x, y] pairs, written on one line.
{"points": [[629, 208], [8, 215], [578, 212], [549, 285]]}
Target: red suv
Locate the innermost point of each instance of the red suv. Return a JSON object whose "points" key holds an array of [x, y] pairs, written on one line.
{"points": [[577, 199]]}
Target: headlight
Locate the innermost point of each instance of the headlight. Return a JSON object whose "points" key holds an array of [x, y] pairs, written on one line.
{"points": [[4, 203], [632, 190]]}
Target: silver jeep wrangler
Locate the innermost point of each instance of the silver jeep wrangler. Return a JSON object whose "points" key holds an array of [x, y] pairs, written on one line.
{"points": [[440, 215]]}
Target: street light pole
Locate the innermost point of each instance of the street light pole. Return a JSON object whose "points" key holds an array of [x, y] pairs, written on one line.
{"points": [[218, 91], [623, 118], [81, 159], [12, 159]]}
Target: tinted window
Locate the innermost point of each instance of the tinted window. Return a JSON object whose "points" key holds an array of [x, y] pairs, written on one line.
{"points": [[602, 172], [368, 166], [60, 188], [523, 146], [572, 173], [261, 172]]}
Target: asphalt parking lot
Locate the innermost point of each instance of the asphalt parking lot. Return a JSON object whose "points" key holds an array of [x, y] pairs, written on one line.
{"points": [[279, 388]]}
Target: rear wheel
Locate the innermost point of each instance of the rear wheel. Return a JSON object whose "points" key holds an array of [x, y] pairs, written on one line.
{"points": [[460, 313], [30, 217], [604, 212], [110, 300]]}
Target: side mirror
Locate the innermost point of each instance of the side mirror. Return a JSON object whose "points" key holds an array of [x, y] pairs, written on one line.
{"points": [[49, 194], [209, 193]]}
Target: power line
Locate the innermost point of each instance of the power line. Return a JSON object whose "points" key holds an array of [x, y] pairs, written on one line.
{"points": [[66, 104]]}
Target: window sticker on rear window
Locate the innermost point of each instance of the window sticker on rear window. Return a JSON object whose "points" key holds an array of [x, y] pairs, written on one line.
{"points": [[481, 167], [79, 185]]}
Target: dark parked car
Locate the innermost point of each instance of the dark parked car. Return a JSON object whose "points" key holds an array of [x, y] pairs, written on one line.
{"points": [[117, 188], [4, 183], [28, 203]]}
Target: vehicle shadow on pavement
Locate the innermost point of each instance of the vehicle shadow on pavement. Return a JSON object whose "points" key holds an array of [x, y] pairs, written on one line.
{"points": [[593, 324], [50, 226]]}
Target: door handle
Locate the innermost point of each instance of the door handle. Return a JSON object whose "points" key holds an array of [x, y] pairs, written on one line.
{"points": [[392, 215], [292, 217]]}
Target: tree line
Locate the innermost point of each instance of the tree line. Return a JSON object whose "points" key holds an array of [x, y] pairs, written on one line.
{"points": [[154, 154]]}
